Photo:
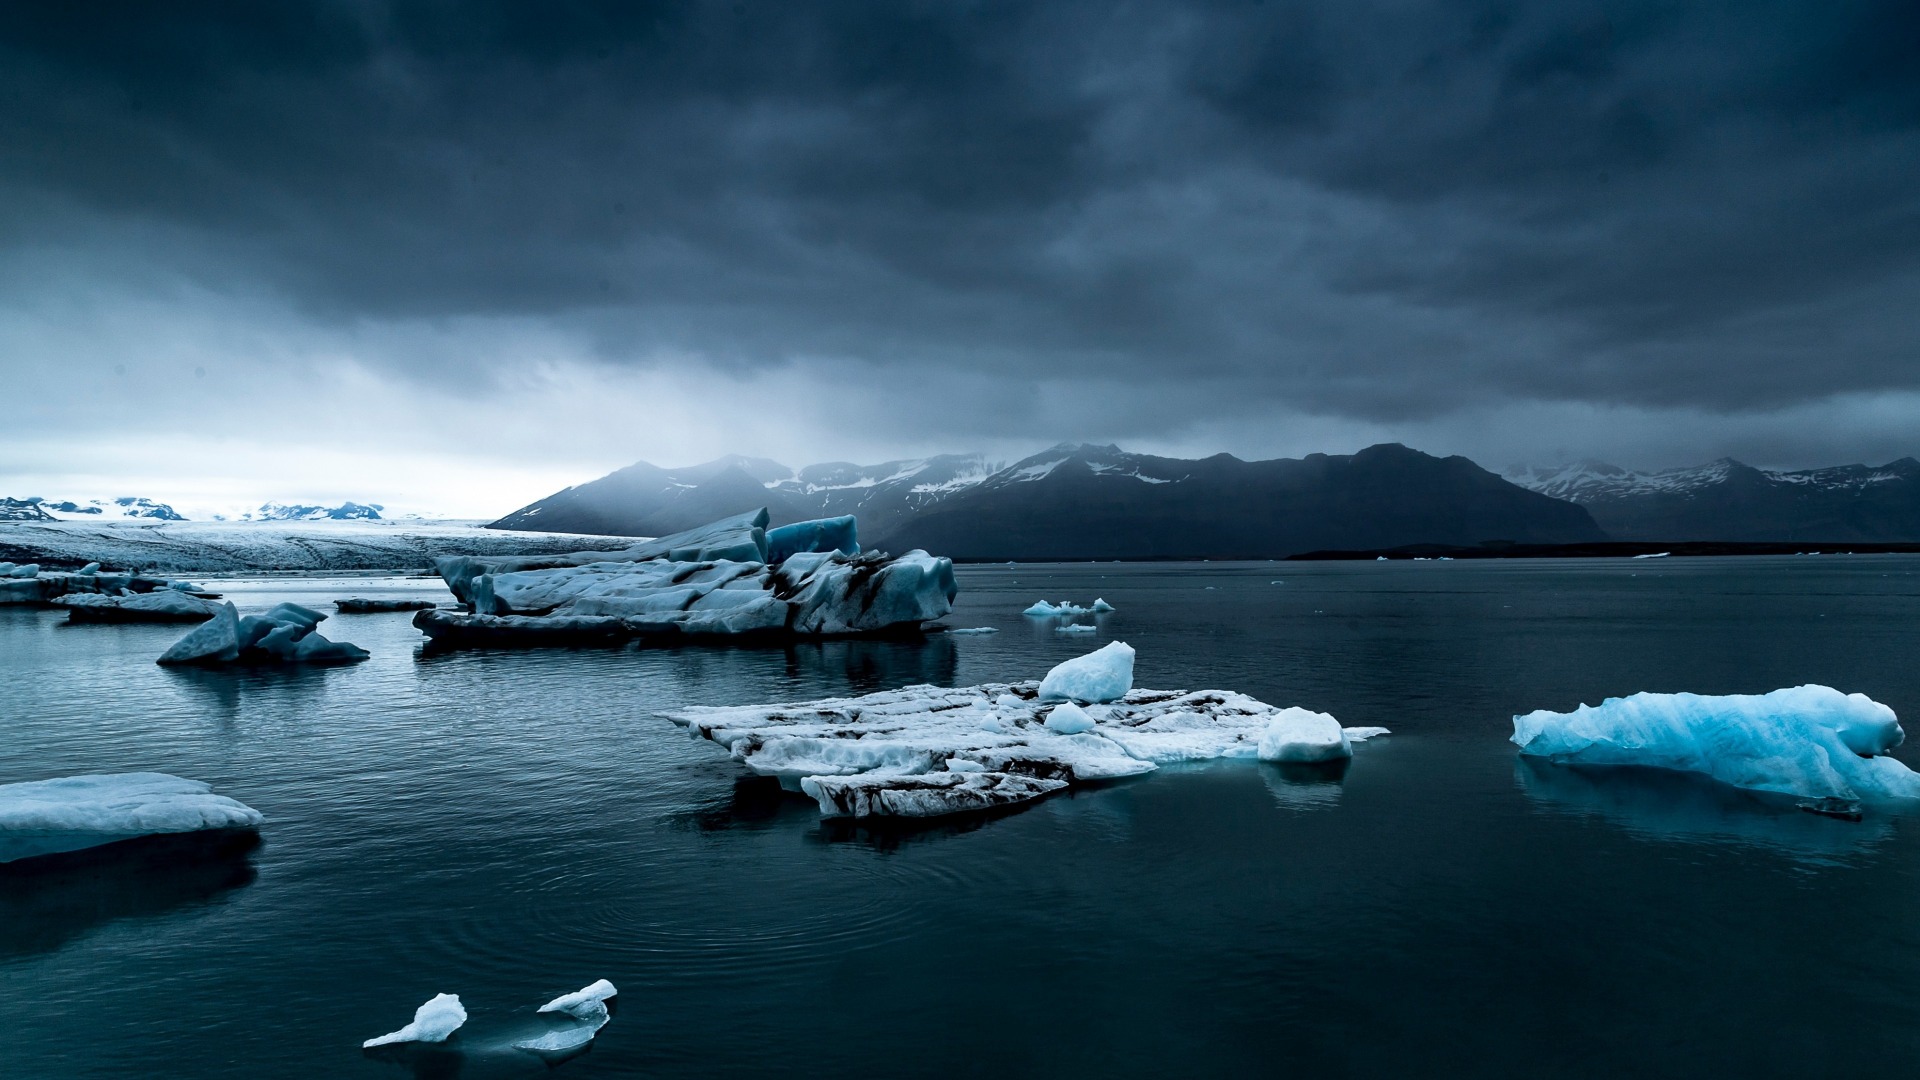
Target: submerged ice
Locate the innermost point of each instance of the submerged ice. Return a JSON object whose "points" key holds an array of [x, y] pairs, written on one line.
{"points": [[47, 817], [1811, 741], [588, 1006], [927, 751]]}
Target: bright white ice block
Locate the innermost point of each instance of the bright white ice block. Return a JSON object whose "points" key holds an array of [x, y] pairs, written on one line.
{"points": [[1105, 674]]}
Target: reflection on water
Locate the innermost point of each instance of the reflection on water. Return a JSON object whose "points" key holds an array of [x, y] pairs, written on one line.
{"points": [[48, 901], [1304, 786], [1666, 805]]}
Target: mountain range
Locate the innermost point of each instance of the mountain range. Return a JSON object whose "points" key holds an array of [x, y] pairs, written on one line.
{"points": [[134, 507], [1089, 502], [1726, 500]]}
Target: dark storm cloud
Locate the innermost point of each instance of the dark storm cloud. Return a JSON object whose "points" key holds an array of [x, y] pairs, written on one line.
{"points": [[1372, 210]]}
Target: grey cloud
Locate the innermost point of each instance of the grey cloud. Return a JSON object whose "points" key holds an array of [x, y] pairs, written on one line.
{"points": [[1388, 212]]}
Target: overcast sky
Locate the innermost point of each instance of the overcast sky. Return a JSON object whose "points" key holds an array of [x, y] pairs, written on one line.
{"points": [[454, 256]]}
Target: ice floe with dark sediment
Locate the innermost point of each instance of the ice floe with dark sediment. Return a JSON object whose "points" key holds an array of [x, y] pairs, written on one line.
{"points": [[927, 751]]}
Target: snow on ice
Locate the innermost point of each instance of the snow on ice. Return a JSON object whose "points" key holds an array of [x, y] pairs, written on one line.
{"points": [[927, 751], [46, 817]]}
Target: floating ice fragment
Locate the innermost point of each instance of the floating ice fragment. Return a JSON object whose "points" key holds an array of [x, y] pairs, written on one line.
{"points": [[1076, 628], [1101, 607], [90, 569], [1300, 735], [1654, 555], [1065, 609], [562, 1042], [47, 817], [976, 630], [440, 1017], [1069, 719], [1103, 675], [598, 991], [1812, 741]]}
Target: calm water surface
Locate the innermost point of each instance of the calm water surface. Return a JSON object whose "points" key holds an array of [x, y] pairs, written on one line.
{"points": [[510, 826]]}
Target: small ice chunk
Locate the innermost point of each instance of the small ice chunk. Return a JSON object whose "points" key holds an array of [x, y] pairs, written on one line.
{"points": [[1301, 735], [1075, 628], [960, 764], [1105, 674], [572, 1004], [31, 569], [1101, 607], [440, 1017], [564, 1041], [1069, 719], [1362, 734], [90, 569], [976, 630]]}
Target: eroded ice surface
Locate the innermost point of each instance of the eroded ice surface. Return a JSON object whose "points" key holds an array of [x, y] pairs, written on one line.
{"points": [[440, 1017], [1065, 609], [926, 751], [161, 605], [46, 817], [1301, 735], [1812, 741], [741, 591], [1106, 674], [284, 634]]}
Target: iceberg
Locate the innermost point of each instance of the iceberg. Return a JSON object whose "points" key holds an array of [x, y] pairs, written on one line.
{"points": [[440, 1017], [283, 635], [597, 991], [1103, 675], [356, 605], [928, 751], [805, 593], [27, 571], [161, 605], [742, 537], [1065, 609], [48, 817], [1100, 607], [1811, 741]]}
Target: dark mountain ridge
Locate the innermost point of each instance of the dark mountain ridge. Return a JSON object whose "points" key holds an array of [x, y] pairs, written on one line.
{"points": [[1090, 502]]}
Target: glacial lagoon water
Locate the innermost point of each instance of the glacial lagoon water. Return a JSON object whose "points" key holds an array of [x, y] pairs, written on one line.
{"points": [[509, 826]]}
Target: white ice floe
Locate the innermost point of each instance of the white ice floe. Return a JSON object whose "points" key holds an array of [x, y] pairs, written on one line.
{"points": [[1066, 609], [46, 817], [1811, 741], [284, 634], [1105, 674], [976, 630], [717, 580], [1076, 628], [1654, 555], [926, 751], [440, 1017]]}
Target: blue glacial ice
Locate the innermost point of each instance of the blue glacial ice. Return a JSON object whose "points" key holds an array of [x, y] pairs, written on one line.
{"points": [[839, 534], [1304, 736], [284, 634], [440, 1017], [1810, 741], [48, 817], [1105, 674]]}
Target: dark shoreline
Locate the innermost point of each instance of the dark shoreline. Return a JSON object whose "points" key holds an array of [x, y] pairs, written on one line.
{"points": [[1619, 549]]}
